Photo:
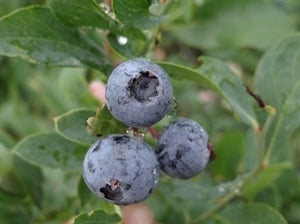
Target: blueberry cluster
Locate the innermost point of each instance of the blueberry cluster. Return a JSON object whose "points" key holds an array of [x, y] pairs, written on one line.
{"points": [[123, 169]]}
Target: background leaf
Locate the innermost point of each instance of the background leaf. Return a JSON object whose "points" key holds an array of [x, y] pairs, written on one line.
{"points": [[228, 155], [81, 13], [136, 13], [128, 46], [215, 25], [216, 76], [251, 213], [103, 123], [35, 35], [13, 214], [264, 179], [84, 192], [31, 178], [75, 33], [89, 13], [51, 150], [277, 81], [98, 217], [5, 160], [74, 86], [73, 126]]}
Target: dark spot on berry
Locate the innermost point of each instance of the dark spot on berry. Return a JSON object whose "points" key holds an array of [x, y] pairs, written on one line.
{"points": [[178, 155], [181, 150], [96, 149], [160, 148], [173, 164], [136, 175], [126, 186], [150, 191], [121, 139], [91, 167], [183, 125], [138, 163], [112, 191], [143, 87]]}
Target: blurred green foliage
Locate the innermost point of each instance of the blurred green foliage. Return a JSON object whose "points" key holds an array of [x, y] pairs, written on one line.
{"points": [[258, 40]]}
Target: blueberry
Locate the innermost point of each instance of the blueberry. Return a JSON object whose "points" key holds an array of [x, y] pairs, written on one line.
{"points": [[121, 169], [183, 149], [139, 93]]}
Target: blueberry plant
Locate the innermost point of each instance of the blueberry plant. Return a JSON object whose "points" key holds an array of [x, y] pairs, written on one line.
{"points": [[201, 119]]}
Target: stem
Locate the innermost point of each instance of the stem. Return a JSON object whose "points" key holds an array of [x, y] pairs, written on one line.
{"points": [[155, 33], [269, 151], [154, 133], [148, 44], [262, 142], [256, 97], [214, 209]]}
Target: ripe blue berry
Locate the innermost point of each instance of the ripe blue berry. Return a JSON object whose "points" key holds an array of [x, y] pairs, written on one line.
{"points": [[121, 169], [183, 149], [139, 93]]}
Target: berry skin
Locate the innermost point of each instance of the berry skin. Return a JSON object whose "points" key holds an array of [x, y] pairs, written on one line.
{"points": [[139, 93], [121, 169], [183, 149]]}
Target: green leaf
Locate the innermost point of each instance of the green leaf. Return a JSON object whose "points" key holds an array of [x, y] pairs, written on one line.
{"points": [[51, 150], [84, 192], [192, 197], [228, 24], [277, 81], [98, 217], [228, 155], [251, 155], [271, 196], [127, 46], [289, 183], [5, 160], [136, 13], [30, 177], [264, 179], [35, 34], [216, 76], [103, 123], [81, 13], [73, 126], [60, 194], [9, 198], [89, 13], [289, 6], [79, 96], [252, 213], [14, 213], [6, 139], [191, 192]]}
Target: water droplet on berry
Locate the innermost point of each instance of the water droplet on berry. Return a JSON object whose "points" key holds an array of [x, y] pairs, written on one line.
{"points": [[155, 171]]}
